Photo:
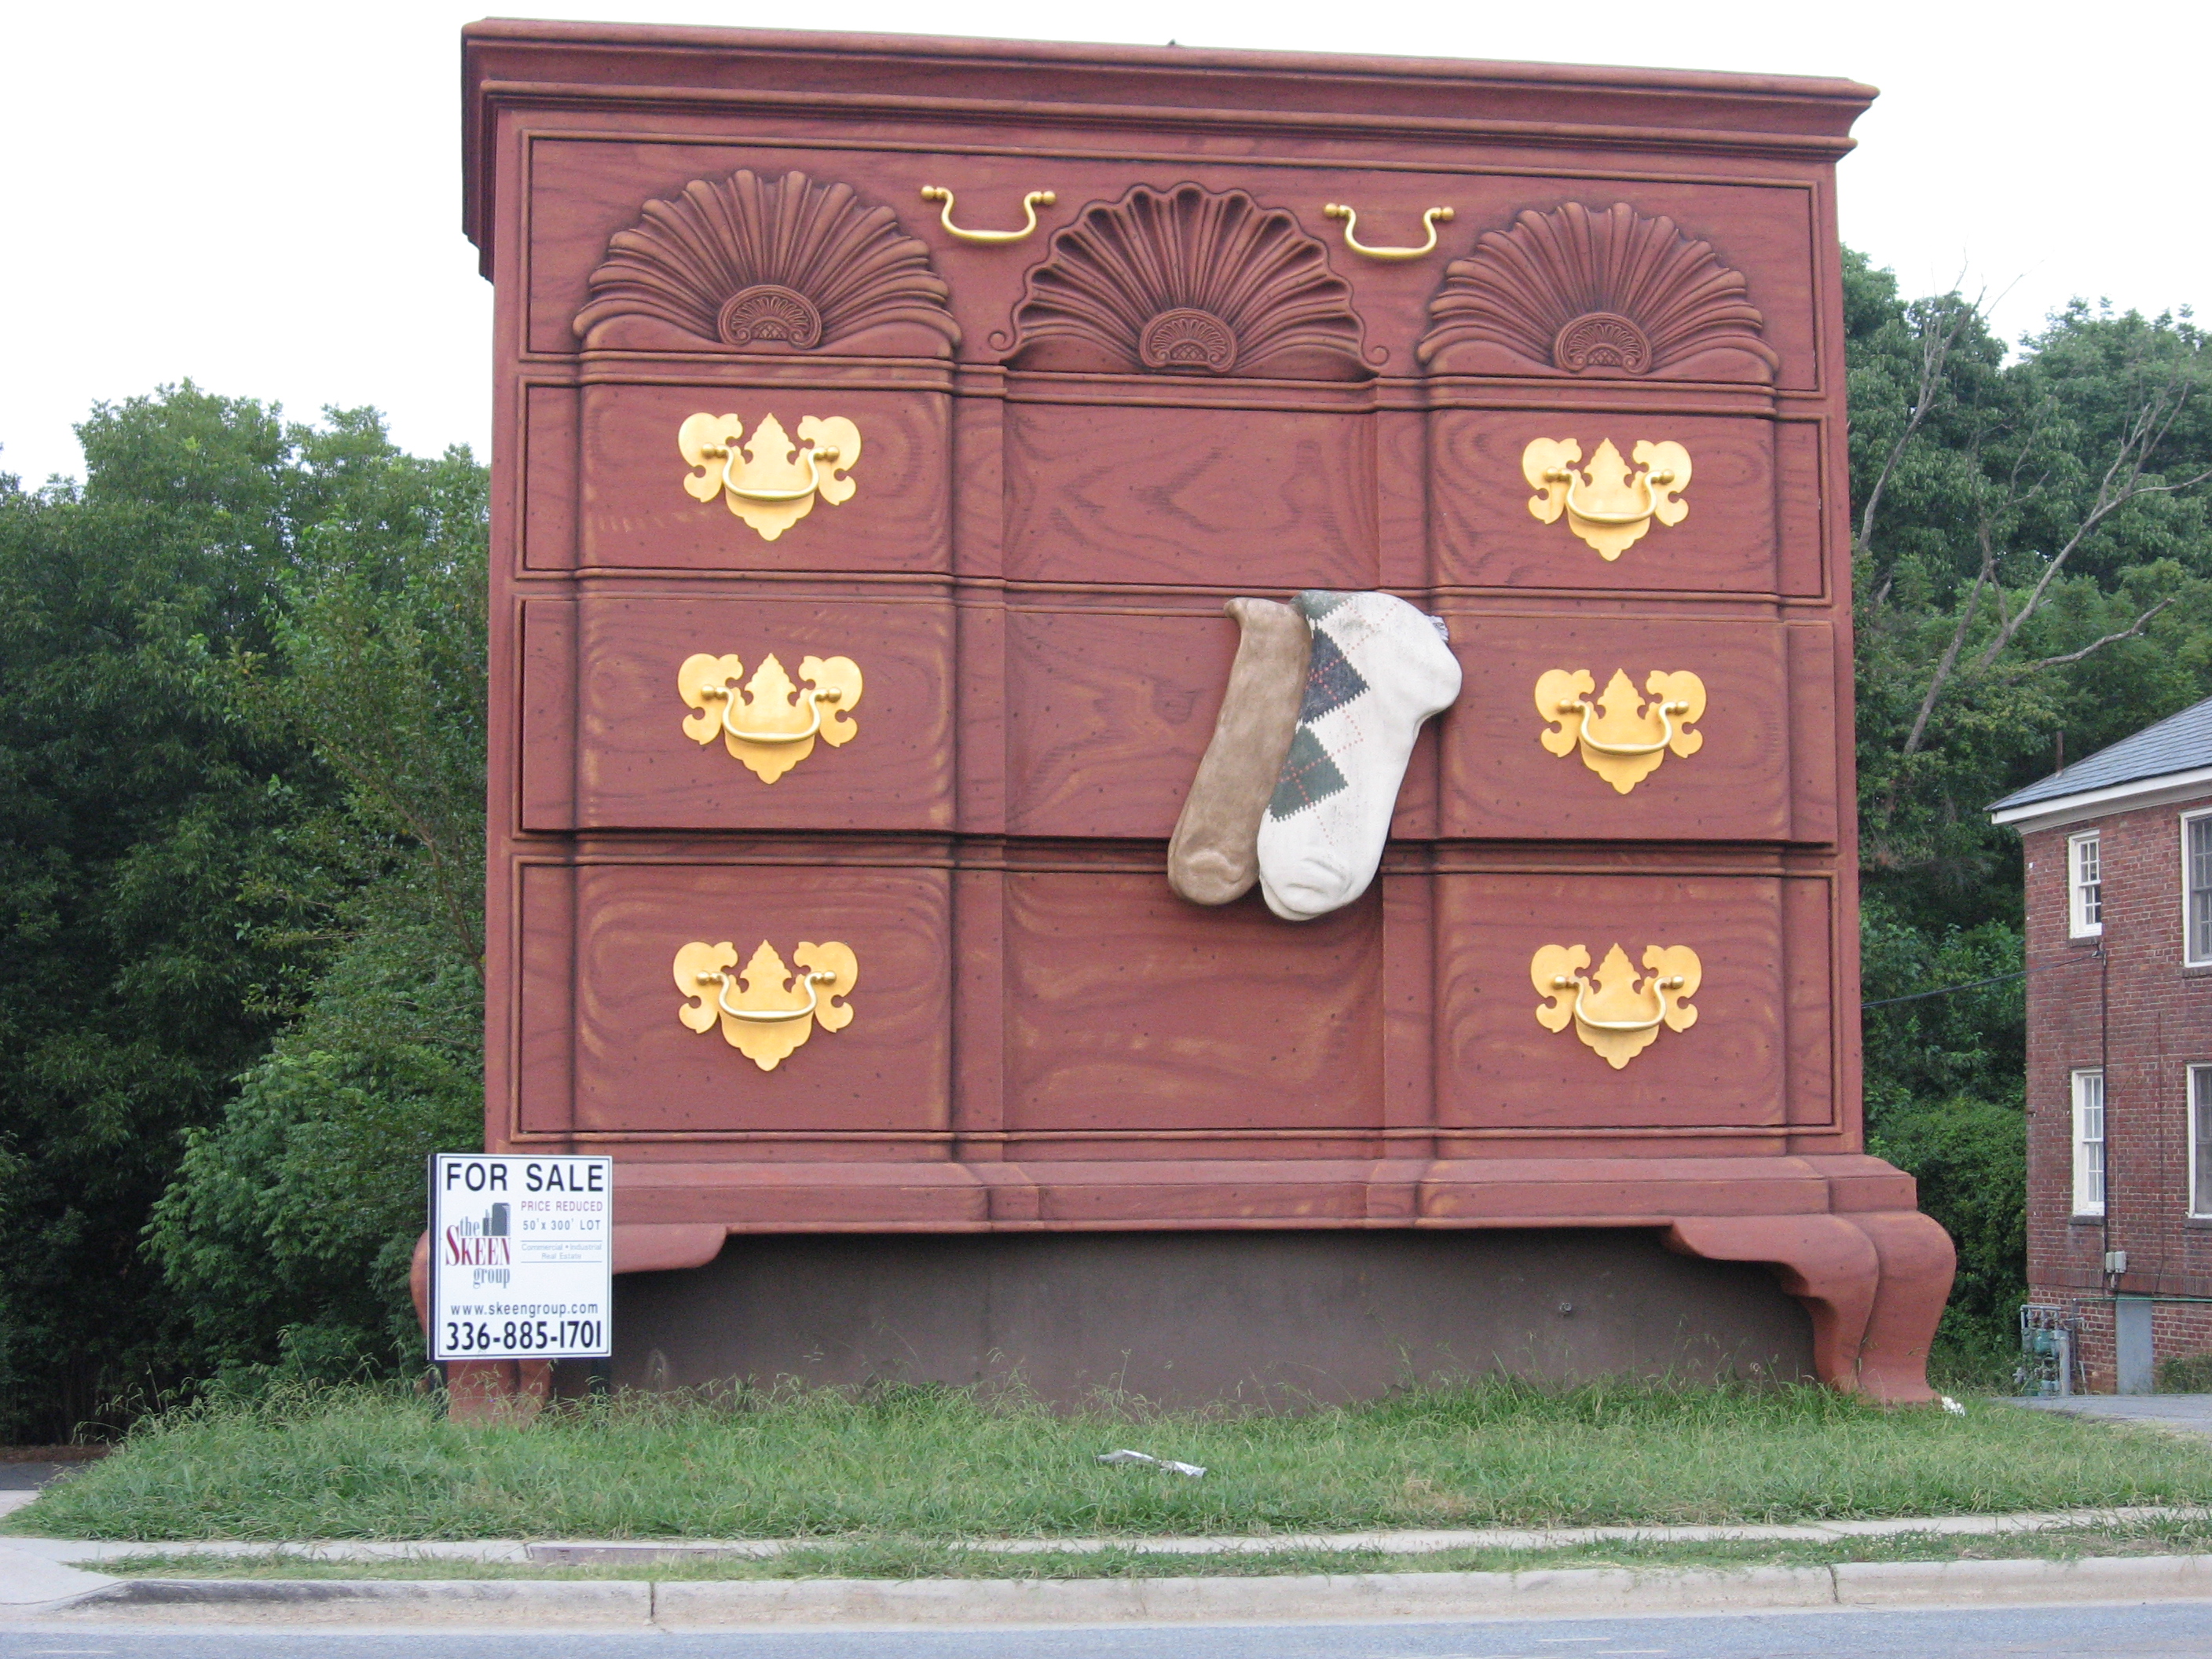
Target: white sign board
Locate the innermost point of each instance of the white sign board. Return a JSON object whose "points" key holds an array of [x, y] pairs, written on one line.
{"points": [[522, 1257]]}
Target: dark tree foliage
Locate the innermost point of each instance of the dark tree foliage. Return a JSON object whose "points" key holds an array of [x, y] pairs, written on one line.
{"points": [[180, 864], [2032, 565]]}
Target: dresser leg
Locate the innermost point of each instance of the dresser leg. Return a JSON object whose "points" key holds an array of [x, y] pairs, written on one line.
{"points": [[1823, 1261]]}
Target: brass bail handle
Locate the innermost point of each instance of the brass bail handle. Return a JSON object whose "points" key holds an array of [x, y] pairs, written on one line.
{"points": [[1672, 983], [814, 458], [765, 1016], [1644, 481], [1031, 203], [1667, 711], [815, 696], [1430, 221]]}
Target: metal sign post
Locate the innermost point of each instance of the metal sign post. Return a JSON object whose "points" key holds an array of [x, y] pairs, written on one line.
{"points": [[522, 1257]]}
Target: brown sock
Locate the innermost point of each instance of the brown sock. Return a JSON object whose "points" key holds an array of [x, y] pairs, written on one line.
{"points": [[1214, 856]]}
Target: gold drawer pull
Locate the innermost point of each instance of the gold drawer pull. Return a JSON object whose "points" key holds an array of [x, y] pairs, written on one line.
{"points": [[1430, 221], [1616, 743], [758, 479], [768, 1016], [1610, 503], [1031, 203], [814, 696], [1643, 480], [761, 1023], [813, 458], [1667, 711], [1614, 1023], [766, 745], [1584, 1017]]}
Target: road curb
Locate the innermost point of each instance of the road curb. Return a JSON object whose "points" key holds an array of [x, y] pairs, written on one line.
{"points": [[948, 1602]]}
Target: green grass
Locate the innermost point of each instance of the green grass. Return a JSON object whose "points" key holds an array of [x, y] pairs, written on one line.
{"points": [[929, 1464], [912, 1559]]}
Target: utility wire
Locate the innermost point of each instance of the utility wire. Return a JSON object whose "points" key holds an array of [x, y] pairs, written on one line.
{"points": [[1974, 984], [1945, 991]]}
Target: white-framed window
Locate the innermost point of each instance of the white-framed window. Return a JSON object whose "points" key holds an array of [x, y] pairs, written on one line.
{"points": [[2196, 888], [2085, 886], [2200, 1140], [2089, 1143]]}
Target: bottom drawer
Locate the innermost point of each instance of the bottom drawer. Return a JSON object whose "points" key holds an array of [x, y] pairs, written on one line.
{"points": [[640, 1067], [1746, 1040], [1089, 1006]]}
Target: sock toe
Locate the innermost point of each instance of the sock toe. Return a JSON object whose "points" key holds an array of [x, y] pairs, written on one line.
{"points": [[1305, 888]]}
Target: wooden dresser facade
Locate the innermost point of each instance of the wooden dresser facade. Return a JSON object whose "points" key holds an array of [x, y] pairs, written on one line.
{"points": [[1060, 452]]}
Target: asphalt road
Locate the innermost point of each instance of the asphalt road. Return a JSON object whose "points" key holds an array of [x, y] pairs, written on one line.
{"points": [[2141, 1631]]}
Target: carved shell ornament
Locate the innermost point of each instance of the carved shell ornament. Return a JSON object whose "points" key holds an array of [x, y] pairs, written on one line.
{"points": [[750, 263], [1611, 295], [1188, 280]]}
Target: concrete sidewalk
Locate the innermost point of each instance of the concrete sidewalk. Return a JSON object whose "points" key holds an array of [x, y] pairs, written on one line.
{"points": [[42, 1581], [2182, 1413], [762, 1605], [78, 1552]]}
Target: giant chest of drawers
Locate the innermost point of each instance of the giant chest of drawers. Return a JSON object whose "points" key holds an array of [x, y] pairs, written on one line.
{"points": [[1059, 454]]}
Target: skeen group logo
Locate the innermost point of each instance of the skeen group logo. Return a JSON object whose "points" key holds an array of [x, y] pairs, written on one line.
{"points": [[484, 1244]]}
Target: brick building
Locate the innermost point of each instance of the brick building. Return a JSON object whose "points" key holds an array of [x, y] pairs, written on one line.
{"points": [[2118, 849]]}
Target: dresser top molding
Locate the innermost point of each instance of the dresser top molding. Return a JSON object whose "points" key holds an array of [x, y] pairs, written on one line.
{"points": [[572, 66]]}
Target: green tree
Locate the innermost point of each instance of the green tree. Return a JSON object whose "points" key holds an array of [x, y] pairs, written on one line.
{"points": [[2033, 567], [179, 866]]}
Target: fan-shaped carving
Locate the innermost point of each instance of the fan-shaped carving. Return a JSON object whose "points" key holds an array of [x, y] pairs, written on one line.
{"points": [[1188, 281], [748, 264], [1611, 294]]}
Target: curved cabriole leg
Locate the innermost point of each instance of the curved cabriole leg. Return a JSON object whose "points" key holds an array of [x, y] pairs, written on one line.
{"points": [[1875, 1284], [1823, 1261], [1918, 1261]]}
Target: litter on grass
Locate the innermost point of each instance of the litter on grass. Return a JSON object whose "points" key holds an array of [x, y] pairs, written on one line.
{"points": [[1952, 1406], [1125, 1455]]}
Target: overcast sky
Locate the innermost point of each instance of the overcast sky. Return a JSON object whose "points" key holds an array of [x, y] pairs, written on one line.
{"points": [[266, 198]]}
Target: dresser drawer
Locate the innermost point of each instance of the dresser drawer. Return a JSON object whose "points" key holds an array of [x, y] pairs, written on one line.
{"points": [[635, 512], [1752, 759], [603, 941], [1753, 502], [1758, 1053], [610, 741]]}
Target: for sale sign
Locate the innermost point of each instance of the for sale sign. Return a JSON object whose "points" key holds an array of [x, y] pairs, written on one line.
{"points": [[522, 1257]]}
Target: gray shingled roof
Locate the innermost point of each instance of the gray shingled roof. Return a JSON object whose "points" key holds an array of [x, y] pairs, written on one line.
{"points": [[2179, 743]]}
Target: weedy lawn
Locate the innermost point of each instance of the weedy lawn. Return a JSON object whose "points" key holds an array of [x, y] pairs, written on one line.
{"points": [[924, 1464]]}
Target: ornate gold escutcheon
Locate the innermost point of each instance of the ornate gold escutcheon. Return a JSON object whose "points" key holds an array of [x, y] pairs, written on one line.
{"points": [[1430, 221], [771, 724], [1610, 503], [769, 480], [1622, 738], [1621, 1017], [766, 1011]]}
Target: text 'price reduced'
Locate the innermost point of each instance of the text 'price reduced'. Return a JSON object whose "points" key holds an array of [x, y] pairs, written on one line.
{"points": [[522, 1257]]}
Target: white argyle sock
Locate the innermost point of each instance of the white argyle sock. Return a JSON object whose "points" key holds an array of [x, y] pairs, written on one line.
{"points": [[1378, 669]]}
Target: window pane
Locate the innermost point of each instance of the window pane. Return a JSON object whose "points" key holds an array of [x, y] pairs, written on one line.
{"points": [[2088, 1143], [2200, 889], [2200, 1139], [2088, 896]]}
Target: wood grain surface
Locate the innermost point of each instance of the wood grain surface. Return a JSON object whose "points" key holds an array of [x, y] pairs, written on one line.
{"points": [[1486, 537], [1107, 715], [636, 514], [1500, 1068], [639, 1069], [1248, 500], [1128, 1008], [1499, 781], [636, 768]]}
